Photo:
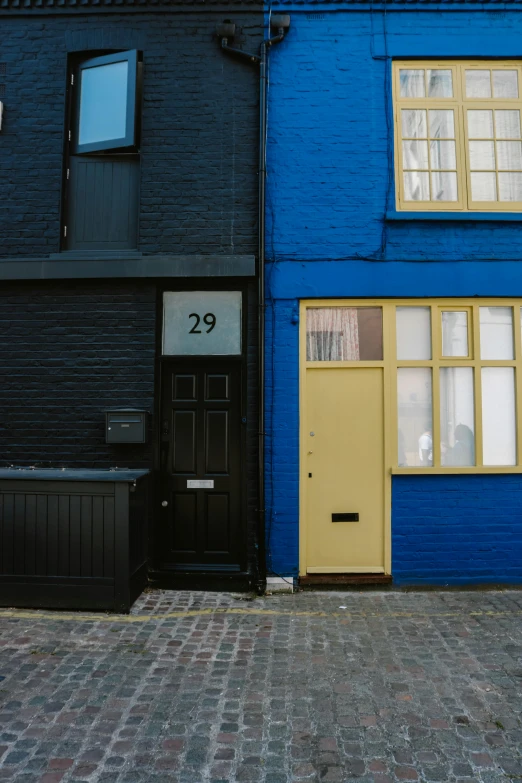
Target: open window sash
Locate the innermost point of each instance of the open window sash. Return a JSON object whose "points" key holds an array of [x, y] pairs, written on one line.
{"points": [[106, 104]]}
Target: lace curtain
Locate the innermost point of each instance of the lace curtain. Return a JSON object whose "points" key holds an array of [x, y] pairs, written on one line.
{"points": [[332, 334]]}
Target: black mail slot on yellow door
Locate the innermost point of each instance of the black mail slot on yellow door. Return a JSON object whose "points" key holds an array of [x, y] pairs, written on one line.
{"points": [[346, 517], [125, 425]]}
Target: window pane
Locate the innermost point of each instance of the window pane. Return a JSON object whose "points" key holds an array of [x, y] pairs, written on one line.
{"points": [[414, 123], [444, 186], [454, 333], [480, 124], [103, 103], [440, 84], [457, 412], [342, 334], [507, 124], [415, 154], [413, 333], [498, 416], [483, 187], [441, 124], [414, 415], [443, 155], [505, 84], [416, 186], [412, 83], [509, 155], [496, 333], [510, 187], [482, 155], [478, 84]]}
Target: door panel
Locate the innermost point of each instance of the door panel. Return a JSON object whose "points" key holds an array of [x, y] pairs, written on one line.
{"points": [[184, 441], [345, 457], [217, 387], [201, 442], [217, 442], [184, 387], [184, 521], [102, 211], [217, 523]]}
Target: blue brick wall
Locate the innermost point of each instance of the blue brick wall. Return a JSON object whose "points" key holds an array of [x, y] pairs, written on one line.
{"points": [[282, 442], [330, 168], [457, 530], [330, 186]]}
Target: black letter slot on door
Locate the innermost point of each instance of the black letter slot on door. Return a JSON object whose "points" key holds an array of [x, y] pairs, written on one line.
{"points": [[125, 425], [346, 517]]}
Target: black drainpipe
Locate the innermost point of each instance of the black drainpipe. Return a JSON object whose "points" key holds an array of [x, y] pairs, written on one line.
{"points": [[281, 23]]}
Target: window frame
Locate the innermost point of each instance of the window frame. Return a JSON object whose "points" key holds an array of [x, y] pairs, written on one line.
{"points": [[460, 104], [390, 364], [128, 142]]}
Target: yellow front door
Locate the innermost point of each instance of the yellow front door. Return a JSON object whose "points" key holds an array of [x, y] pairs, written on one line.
{"points": [[344, 458]]}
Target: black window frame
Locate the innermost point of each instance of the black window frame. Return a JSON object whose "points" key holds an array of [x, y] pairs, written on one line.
{"points": [[129, 142]]}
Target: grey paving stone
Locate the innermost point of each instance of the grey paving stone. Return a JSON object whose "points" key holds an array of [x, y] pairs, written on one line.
{"points": [[398, 686]]}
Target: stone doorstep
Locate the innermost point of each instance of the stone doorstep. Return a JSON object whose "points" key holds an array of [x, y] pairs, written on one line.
{"points": [[280, 584], [310, 580]]}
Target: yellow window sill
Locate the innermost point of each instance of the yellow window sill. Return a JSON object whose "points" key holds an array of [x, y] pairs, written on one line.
{"points": [[458, 471]]}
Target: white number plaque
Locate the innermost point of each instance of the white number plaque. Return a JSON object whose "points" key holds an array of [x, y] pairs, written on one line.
{"points": [[201, 323]]}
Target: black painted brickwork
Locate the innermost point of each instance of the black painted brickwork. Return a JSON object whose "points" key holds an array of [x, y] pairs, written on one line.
{"points": [[199, 140], [67, 352]]}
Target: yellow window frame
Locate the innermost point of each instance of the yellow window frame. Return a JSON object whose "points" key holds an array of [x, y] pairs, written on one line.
{"points": [[437, 333], [460, 105], [391, 364]]}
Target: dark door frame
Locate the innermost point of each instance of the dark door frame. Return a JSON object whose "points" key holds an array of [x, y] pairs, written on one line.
{"points": [[69, 152], [202, 284]]}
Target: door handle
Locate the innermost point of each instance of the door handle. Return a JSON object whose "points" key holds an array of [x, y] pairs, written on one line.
{"points": [[164, 503], [165, 431]]}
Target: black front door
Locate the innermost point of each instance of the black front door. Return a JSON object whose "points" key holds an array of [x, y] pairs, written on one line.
{"points": [[199, 512]]}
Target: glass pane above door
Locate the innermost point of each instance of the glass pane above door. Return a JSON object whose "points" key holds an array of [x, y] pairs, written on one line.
{"points": [[201, 323], [344, 334]]}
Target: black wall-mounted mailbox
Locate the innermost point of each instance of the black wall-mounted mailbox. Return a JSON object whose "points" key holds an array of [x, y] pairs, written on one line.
{"points": [[125, 425]]}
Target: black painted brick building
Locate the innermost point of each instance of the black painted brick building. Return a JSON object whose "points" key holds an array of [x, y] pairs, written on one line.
{"points": [[80, 333]]}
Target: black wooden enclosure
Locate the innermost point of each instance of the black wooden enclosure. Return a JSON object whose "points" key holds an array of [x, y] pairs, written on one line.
{"points": [[73, 539]]}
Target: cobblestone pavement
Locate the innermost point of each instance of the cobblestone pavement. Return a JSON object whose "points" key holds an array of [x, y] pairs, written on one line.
{"points": [[205, 687]]}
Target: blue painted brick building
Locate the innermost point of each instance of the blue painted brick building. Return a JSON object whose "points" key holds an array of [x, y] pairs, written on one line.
{"points": [[345, 223]]}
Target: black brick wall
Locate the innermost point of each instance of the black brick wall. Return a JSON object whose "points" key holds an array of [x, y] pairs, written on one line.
{"points": [[70, 349], [199, 138], [67, 352]]}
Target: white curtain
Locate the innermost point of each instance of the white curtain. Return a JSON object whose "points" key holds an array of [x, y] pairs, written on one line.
{"points": [[332, 334]]}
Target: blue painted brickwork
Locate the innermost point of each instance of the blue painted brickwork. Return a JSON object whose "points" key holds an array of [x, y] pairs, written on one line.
{"points": [[282, 442], [199, 146], [457, 529], [330, 173], [330, 185]]}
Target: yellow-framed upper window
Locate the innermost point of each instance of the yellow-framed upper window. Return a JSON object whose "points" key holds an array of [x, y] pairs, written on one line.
{"points": [[458, 135]]}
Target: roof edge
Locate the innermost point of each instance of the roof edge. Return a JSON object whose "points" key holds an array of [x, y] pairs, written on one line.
{"points": [[53, 6]]}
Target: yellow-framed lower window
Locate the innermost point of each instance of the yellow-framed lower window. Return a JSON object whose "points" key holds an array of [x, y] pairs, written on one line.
{"points": [[458, 135], [453, 373]]}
